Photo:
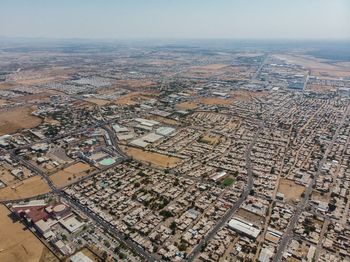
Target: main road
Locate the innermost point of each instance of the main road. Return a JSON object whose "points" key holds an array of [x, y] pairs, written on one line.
{"points": [[288, 234], [234, 208]]}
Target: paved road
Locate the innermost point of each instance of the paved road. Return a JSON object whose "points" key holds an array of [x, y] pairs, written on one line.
{"points": [[76, 205], [234, 208], [288, 234]]}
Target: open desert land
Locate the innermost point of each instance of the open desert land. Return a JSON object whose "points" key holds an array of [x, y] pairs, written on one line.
{"points": [[134, 83], [290, 189], [6, 85], [71, 174], [209, 67], [133, 98], [14, 119], [214, 101], [30, 187], [186, 106], [165, 120], [318, 67], [246, 95], [321, 88], [36, 77], [152, 158], [42, 97], [17, 243]]}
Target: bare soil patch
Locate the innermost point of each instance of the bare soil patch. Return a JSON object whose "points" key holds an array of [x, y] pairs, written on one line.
{"points": [[71, 174], [16, 242], [30, 187], [152, 158], [186, 106], [290, 189], [14, 119]]}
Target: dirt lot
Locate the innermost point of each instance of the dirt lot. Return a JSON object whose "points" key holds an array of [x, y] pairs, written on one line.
{"points": [[321, 88], [134, 83], [150, 157], [70, 174], [249, 216], [3, 102], [17, 244], [290, 190], [210, 139], [133, 98], [44, 96], [17, 118], [318, 67], [186, 106], [165, 120], [214, 101], [99, 102], [245, 95], [27, 188]]}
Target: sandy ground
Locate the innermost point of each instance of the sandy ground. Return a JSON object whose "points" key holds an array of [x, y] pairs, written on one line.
{"points": [[42, 97], [290, 190], [3, 102], [134, 83], [17, 244], [17, 118], [318, 67], [215, 101], [150, 157], [210, 139], [133, 98], [27, 188], [47, 256], [165, 120], [209, 67], [70, 174], [249, 216], [186, 106], [97, 101], [321, 88]]}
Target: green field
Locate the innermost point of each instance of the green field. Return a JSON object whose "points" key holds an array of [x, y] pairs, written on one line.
{"points": [[228, 181]]}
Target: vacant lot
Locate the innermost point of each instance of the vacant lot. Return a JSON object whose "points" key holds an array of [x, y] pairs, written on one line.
{"points": [[70, 174], [17, 118], [97, 101], [17, 244], [150, 157], [249, 216], [290, 190], [210, 139], [186, 106], [133, 98], [27, 188], [3, 102], [212, 101]]}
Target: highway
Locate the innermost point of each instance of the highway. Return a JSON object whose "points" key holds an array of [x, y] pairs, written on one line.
{"points": [[288, 234], [222, 222]]}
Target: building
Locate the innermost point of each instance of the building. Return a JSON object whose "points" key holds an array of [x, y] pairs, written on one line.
{"points": [[244, 227]]}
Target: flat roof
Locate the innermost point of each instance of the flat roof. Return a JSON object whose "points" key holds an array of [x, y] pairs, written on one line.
{"points": [[244, 227]]}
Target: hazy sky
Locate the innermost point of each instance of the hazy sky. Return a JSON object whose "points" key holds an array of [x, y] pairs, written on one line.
{"points": [[306, 19]]}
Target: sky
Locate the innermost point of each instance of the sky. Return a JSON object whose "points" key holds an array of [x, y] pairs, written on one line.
{"points": [[174, 19]]}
